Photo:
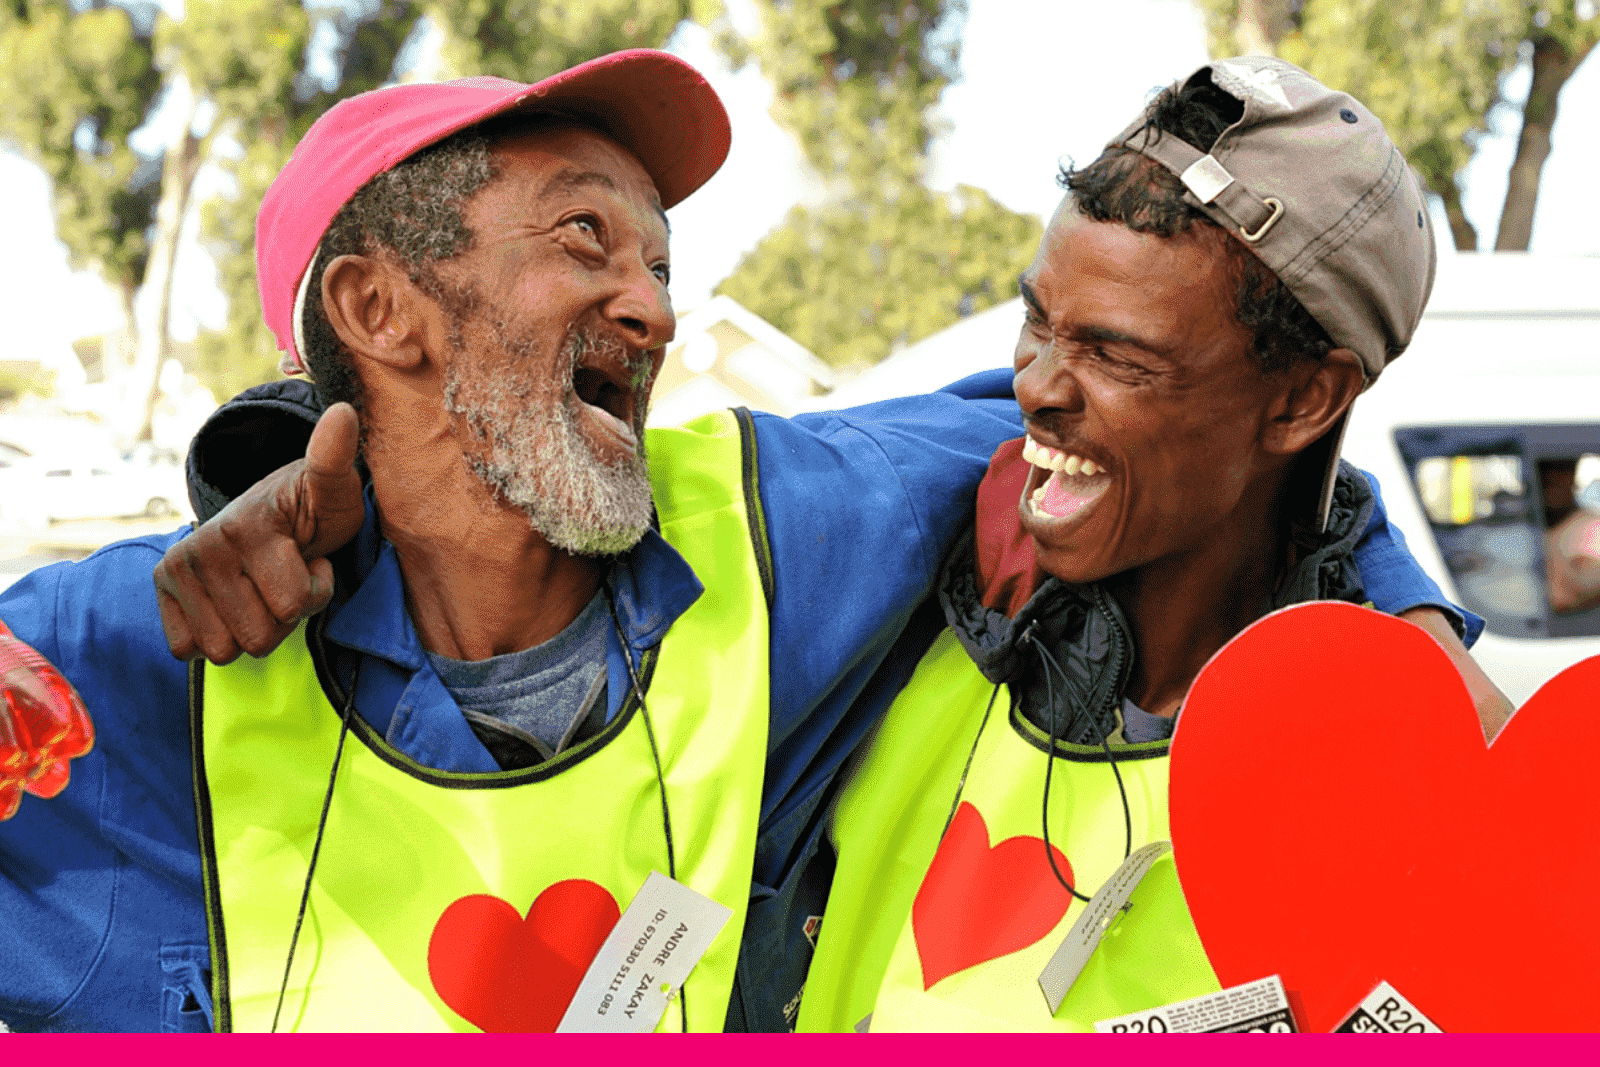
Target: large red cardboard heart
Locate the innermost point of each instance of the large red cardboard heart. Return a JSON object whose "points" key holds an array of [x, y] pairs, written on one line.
{"points": [[1337, 819], [978, 903], [507, 974]]}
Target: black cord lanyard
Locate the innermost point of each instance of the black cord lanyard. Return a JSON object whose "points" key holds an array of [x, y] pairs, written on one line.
{"points": [[1050, 762], [316, 847], [661, 779]]}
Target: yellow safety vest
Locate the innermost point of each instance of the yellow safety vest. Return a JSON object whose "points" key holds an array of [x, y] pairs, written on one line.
{"points": [[579, 833], [935, 929]]}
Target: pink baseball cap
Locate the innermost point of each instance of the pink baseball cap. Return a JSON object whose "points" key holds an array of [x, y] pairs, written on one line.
{"points": [[653, 104]]}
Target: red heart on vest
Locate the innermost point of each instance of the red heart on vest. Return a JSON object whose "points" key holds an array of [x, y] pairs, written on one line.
{"points": [[979, 903], [507, 974], [1337, 819]]}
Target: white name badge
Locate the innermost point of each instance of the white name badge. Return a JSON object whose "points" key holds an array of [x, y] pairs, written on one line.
{"points": [[1069, 960], [1258, 1007], [1385, 1011], [645, 959]]}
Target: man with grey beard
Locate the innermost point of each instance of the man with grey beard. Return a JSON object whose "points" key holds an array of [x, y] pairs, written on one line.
{"points": [[546, 685], [537, 459]]}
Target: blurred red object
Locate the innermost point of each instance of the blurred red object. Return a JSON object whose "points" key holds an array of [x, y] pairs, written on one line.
{"points": [[43, 726]]}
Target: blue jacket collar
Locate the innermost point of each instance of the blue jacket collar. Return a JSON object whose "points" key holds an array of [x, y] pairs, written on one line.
{"points": [[651, 586]]}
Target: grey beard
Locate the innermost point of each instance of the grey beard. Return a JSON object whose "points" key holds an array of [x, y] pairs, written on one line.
{"points": [[537, 459]]}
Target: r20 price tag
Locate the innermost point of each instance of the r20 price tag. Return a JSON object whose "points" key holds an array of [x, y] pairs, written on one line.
{"points": [[1258, 1007], [1385, 1011]]}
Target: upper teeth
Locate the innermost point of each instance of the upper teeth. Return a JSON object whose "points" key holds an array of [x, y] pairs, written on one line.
{"points": [[1053, 459]]}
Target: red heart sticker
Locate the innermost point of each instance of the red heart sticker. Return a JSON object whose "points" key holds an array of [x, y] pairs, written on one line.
{"points": [[1337, 819], [507, 974], [979, 903]]}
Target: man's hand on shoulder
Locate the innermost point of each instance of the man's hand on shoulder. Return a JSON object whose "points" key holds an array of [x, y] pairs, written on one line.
{"points": [[1493, 706], [242, 581]]}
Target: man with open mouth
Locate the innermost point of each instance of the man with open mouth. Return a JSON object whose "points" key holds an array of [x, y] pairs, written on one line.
{"points": [[543, 669], [1207, 302]]}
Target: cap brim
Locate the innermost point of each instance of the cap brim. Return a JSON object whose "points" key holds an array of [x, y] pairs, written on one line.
{"points": [[652, 103], [1331, 443]]}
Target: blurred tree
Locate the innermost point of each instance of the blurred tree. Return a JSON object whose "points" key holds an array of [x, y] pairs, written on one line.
{"points": [[1432, 70], [323, 53], [526, 40], [886, 261], [856, 278], [77, 81], [1559, 36], [122, 106]]}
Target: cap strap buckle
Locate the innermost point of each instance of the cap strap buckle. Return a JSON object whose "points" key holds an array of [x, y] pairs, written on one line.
{"points": [[1210, 183], [1272, 220]]}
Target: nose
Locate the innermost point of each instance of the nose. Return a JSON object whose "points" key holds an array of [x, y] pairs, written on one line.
{"points": [[1045, 381], [641, 308]]}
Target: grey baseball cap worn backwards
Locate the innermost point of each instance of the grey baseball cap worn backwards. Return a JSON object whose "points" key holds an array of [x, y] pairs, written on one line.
{"points": [[1310, 182]]}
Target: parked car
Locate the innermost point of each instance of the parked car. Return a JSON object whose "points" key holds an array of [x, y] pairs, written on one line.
{"points": [[39, 490]]}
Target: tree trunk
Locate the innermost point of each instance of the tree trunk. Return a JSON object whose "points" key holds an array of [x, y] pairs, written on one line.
{"points": [[1462, 232], [1553, 64], [116, 359], [178, 170]]}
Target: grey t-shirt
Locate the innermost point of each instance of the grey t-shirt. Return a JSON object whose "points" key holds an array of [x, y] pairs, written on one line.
{"points": [[527, 706], [1139, 725]]}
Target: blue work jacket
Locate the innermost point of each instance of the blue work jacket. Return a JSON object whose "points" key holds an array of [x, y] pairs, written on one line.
{"points": [[102, 925]]}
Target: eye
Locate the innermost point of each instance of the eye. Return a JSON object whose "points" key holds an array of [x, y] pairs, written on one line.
{"points": [[664, 272], [1120, 368], [587, 225]]}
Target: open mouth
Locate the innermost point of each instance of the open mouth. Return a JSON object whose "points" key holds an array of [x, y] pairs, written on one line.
{"points": [[605, 386], [1062, 484]]}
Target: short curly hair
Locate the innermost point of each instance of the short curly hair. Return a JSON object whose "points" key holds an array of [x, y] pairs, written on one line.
{"points": [[1124, 186]]}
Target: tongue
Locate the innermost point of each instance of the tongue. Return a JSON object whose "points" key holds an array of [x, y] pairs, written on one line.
{"points": [[1063, 495]]}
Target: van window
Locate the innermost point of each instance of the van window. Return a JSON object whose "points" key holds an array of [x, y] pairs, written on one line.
{"points": [[1460, 490], [1515, 512]]}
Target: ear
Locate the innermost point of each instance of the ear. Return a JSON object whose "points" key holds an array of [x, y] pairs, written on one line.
{"points": [[373, 307], [1314, 396]]}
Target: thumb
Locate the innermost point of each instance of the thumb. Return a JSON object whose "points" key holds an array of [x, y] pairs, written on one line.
{"points": [[333, 502]]}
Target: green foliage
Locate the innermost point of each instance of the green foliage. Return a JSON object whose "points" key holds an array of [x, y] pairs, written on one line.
{"points": [[888, 261], [856, 80], [855, 279], [526, 40], [268, 109], [76, 85], [1430, 69]]}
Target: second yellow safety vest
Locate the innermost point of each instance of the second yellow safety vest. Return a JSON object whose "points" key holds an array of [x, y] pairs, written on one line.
{"points": [[929, 928]]}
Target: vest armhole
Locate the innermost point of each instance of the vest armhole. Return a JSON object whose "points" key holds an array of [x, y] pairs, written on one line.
{"points": [[754, 514], [222, 1017]]}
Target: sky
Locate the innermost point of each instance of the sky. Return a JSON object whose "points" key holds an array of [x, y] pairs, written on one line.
{"points": [[1043, 81]]}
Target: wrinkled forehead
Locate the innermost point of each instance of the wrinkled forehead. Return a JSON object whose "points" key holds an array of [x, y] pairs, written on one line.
{"points": [[592, 155]]}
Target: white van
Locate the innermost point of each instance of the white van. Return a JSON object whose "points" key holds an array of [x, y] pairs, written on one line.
{"points": [[1481, 434]]}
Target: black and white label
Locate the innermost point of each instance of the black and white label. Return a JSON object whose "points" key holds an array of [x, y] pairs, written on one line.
{"points": [[645, 959], [1385, 1011], [1253, 1008]]}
